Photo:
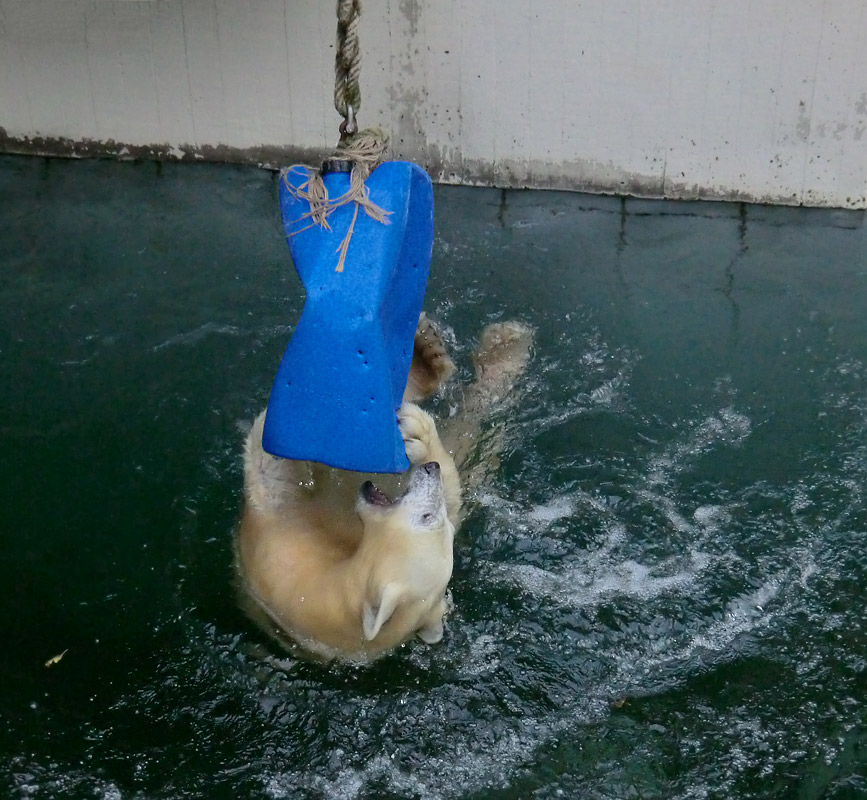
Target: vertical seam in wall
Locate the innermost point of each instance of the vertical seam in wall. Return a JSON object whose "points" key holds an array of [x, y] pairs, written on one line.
{"points": [[709, 174], [328, 96], [667, 138], [460, 161], [159, 115], [634, 69], [496, 21], [89, 79], [863, 198], [529, 173], [423, 114], [189, 79], [391, 80], [288, 71], [775, 122], [525, 126], [807, 146], [862, 164], [743, 77], [223, 103]]}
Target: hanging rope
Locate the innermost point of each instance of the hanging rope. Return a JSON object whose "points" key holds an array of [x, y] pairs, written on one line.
{"points": [[364, 149], [347, 60]]}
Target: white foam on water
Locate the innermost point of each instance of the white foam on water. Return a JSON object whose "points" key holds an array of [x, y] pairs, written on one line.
{"points": [[608, 392], [610, 573], [598, 581], [599, 384], [742, 614], [31, 782], [711, 516], [556, 509], [197, 334], [567, 412], [726, 428], [471, 761], [346, 784], [484, 655], [462, 767], [670, 511], [800, 500], [539, 517], [613, 570]]}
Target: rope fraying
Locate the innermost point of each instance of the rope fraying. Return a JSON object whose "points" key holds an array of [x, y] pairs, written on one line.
{"points": [[366, 150]]}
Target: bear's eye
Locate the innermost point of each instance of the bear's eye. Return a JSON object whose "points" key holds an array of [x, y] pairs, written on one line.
{"points": [[427, 518]]}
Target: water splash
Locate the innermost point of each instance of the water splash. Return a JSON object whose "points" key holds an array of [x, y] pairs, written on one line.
{"points": [[583, 605]]}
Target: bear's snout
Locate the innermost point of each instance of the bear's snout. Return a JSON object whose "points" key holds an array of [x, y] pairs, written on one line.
{"points": [[431, 468]]}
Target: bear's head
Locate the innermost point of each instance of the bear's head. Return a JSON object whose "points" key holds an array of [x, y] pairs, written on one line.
{"points": [[410, 541], [420, 509]]}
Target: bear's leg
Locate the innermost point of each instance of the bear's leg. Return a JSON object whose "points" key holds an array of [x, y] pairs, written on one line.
{"points": [[431, 365], [272, 483], [432, 631], [422, 445], [500, 360]]}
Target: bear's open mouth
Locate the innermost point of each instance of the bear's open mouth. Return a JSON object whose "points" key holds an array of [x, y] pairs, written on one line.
{"points": [[374, 495]]}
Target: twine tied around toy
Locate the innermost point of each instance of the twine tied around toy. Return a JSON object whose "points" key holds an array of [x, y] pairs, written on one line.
{"points": [[363, 149]]}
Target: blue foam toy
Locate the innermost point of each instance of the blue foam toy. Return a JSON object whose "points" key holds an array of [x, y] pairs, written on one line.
{"points": [[341, 381]]}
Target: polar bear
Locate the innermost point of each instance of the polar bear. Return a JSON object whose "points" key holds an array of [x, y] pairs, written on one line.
{"points": [[327, 561]]}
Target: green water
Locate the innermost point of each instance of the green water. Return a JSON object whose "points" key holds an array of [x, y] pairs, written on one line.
{"points": [[661, 595]]}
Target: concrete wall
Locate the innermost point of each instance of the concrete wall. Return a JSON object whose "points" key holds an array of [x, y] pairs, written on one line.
{"points": [[726, 99]]}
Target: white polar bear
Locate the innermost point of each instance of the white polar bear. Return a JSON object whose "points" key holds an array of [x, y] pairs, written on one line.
{"points": [[325, 559]]}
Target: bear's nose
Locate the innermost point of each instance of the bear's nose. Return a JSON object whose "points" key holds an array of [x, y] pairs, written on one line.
{"points": [[431, 468]]}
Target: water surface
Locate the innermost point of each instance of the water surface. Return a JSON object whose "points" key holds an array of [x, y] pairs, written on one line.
{"points": [[659, 595]]}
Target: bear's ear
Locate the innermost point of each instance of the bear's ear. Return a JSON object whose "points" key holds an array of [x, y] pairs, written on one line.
{"points": [[378, 609]]}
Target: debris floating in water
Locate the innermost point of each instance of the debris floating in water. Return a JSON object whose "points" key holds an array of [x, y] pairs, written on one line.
{"points": [[56, 659]]}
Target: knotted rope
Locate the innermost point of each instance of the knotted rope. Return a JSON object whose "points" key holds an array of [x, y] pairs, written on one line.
{"points": [[365, 149], [347, 59]]}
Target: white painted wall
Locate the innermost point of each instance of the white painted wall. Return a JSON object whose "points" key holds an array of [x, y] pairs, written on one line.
{"points": [[732, 99]]}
